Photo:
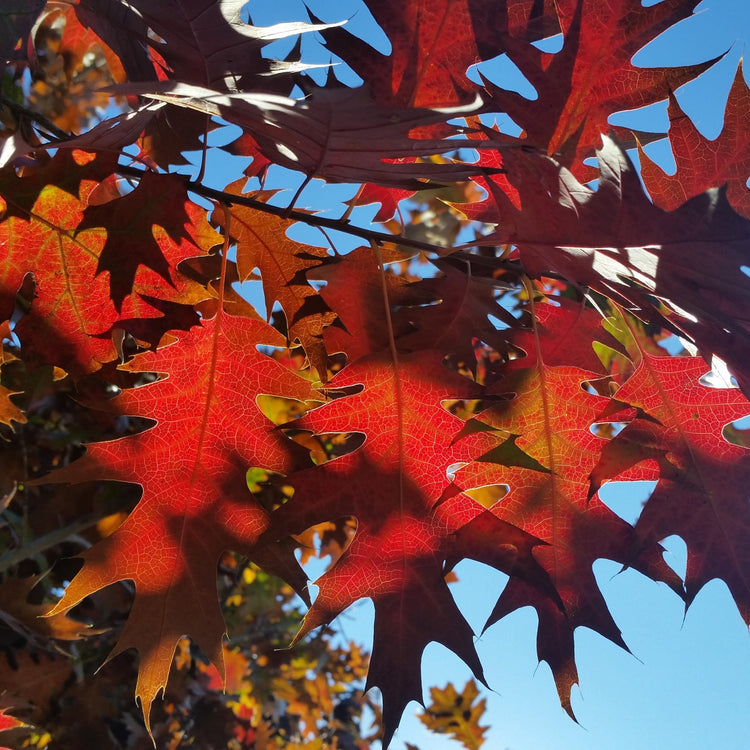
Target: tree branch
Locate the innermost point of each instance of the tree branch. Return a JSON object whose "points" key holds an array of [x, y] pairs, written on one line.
{"points": [[51, 130], [339, 225]]}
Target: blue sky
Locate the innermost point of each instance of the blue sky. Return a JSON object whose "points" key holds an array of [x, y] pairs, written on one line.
{"points": [[686, 685]]}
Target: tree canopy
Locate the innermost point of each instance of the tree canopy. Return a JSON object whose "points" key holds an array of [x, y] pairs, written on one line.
{"points": [[207, 379]]}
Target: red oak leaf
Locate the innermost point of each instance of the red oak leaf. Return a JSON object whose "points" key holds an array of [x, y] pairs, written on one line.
{"points": [[74, 313], [191, 464], [74, 171], [153, 226], [592, 76], [702, 163], [388, 198], [393, 485], [545, 454], [263, 243], [615, 241], [199, 42], [570, 331], [29, 620], [207, 43], [701, 494], [354, 291], [457, 315], [119, 27], [339, 134], [434, 42], [107, 263]]}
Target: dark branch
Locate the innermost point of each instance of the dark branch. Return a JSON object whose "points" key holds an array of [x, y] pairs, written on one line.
{"points": [[339, 225], [51, 130]]}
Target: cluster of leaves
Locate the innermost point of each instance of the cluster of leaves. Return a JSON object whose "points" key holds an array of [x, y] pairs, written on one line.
{"points": [[273, 697], [472, 411]]}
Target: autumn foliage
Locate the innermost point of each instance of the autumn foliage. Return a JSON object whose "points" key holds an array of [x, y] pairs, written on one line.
{"points": [[520, 323]]}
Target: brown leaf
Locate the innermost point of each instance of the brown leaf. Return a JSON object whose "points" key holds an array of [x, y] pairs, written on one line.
{"points": [[34, 620]]}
